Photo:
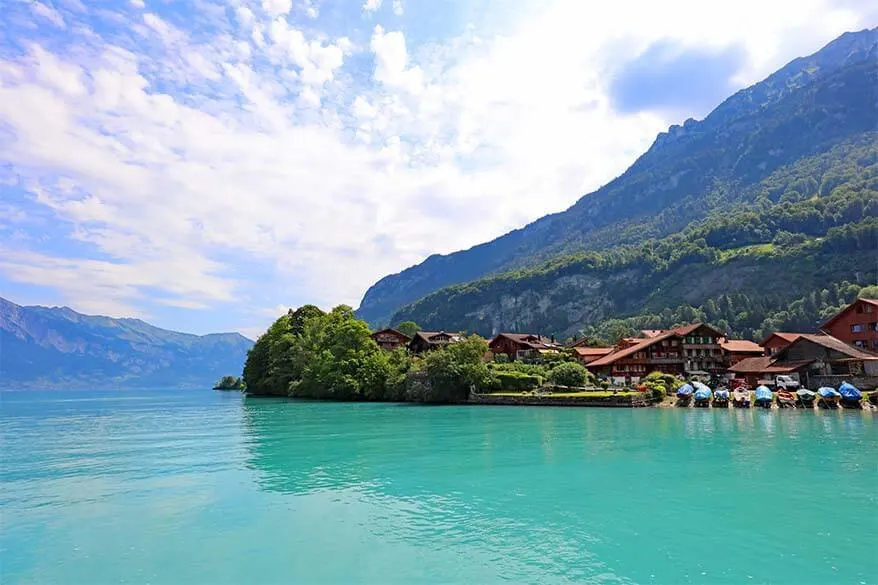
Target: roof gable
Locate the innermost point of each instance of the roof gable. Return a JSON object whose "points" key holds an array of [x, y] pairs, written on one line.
{"points": [[828, 342], [871, 302], [631, 350]]}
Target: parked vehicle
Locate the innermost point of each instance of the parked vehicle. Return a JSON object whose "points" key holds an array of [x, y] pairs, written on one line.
{"points": [[702, 394], [850, 395], [829, 397], [805, 398], [786, 383], [786, 399], [741, 397], [764, 397], [721, 397], [684, 394]]}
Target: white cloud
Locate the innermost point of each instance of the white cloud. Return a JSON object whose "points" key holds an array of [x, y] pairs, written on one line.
{"points": [[277, 7], [48, 13], [371, 5], [397, 7], [168, 186], [138, 3]]}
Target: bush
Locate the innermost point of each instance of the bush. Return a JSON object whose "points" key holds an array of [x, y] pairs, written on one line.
{"points": [[501, 358], [605, 384], [873, 397], [518, 382], [521, 367], [569, 374]]}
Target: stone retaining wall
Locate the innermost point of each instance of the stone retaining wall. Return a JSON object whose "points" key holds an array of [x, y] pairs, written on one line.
{"points": [[548, 400]]}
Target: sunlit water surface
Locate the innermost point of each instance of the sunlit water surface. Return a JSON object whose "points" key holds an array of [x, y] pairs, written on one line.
{"points": [[209, 487]]}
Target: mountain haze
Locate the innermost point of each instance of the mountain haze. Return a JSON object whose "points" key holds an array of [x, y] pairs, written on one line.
{"points": [[801, 142], [56, 347]]}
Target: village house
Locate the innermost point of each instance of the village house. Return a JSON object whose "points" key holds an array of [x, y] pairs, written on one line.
{"points": [[702, 348], [390, 339], [587, 355], [522, 345], [818, 360], [856, 324], [778, 341], [636, 358], [427, 340], [735, 350]]}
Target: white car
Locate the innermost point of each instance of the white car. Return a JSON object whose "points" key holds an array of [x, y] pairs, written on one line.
{"points": [[786, 383]]}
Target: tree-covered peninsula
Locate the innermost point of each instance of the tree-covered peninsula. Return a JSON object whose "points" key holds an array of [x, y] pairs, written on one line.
{"points": [[308, 353]]}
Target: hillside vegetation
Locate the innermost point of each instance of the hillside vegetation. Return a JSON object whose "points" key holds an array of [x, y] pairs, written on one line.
{"points": [[773, 196]]}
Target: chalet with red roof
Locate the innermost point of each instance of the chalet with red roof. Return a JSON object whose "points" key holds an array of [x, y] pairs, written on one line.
{"points": [[390, 339], [778, 341], [856, 324], [522, 345], [637, 358]]}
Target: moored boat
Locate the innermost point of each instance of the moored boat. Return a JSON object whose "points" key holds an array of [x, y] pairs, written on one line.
{"points": [[850, 395], [721, 397], [764, 397], [785, 399], [805, 398], [702, 394], [684, 394], [741, 397], [828, 397]]}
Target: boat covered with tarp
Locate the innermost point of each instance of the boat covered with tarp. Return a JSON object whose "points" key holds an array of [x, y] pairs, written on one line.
{"points": [[763, 396], [785, 399], [849, 392], [685, 390], [829, 397], [805, 397], [702, 394]]}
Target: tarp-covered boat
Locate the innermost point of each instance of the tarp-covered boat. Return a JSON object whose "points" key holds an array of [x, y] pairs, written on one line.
{"points": [[849, 391], [828, 397], [763, 396], [785, 399], [702, 394], [684, 394], [721, 397], [805, 398]]}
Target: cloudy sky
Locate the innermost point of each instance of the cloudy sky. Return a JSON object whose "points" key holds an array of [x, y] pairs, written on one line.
{"points": [[203, 164]]}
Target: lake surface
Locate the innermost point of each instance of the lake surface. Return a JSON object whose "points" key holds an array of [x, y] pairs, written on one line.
{"points": [[208, 487]]}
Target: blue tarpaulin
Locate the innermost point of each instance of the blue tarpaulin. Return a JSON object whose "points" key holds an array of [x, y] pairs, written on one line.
{"points": [[685, 390], [826, 392], [721, 393], [702, 392], [805, 393], [849, 391], [763, 393]]}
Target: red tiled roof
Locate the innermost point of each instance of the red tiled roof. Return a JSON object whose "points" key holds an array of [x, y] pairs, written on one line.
{"points": [[788, 337], [741, 346], [590, 351], [531, 340], [628, 351], [835, 344], [651, 332], [685, 330], [392, 330], [766, 365]]}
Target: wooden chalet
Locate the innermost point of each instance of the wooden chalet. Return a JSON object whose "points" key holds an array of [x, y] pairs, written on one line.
{"points": [[587, 355], [390, 339], [523, 345], [702, 348], [427, 340], [637, 358], [735, 350], [856, 324], [777, 341]]}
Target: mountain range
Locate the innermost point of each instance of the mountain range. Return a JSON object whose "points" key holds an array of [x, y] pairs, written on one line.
{"points": [[56, 347], [773, 195]]}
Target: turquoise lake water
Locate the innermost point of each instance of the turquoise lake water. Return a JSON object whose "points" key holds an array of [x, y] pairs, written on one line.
{"points": [[208, 487]]}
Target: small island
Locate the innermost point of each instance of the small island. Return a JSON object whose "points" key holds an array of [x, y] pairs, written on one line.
{"points": [[230, 383]]}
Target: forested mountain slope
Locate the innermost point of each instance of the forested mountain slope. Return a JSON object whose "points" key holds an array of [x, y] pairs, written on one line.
{"points": [[699, 170], [56, 347]]}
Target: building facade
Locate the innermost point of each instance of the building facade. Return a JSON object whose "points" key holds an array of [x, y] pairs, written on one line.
{"points": [[856, 324], [522, 345], [702, 348], [390, 339], [778, 341], [427, 340], [636, 359]]}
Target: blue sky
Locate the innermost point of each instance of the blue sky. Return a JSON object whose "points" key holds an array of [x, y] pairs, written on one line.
{"points": [[205, 164]]}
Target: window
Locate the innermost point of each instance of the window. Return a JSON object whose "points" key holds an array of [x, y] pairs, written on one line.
{"points": [[873, 326], [861, 343], [858, 328]]}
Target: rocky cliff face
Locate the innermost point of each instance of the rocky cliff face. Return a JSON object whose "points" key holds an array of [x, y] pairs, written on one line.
{"points": [[42, 347], [689, 173]]}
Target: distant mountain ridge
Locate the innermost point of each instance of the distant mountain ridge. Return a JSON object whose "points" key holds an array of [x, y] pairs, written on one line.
{"points": [[690, 173], [57, 347]]}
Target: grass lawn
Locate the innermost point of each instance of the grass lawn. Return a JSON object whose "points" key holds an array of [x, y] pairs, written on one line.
{"points": [[600, 394]]}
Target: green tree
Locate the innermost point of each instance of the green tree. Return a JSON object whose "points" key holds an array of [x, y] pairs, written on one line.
{"points": [[569, 374], [408, 328], [455, 369]]}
